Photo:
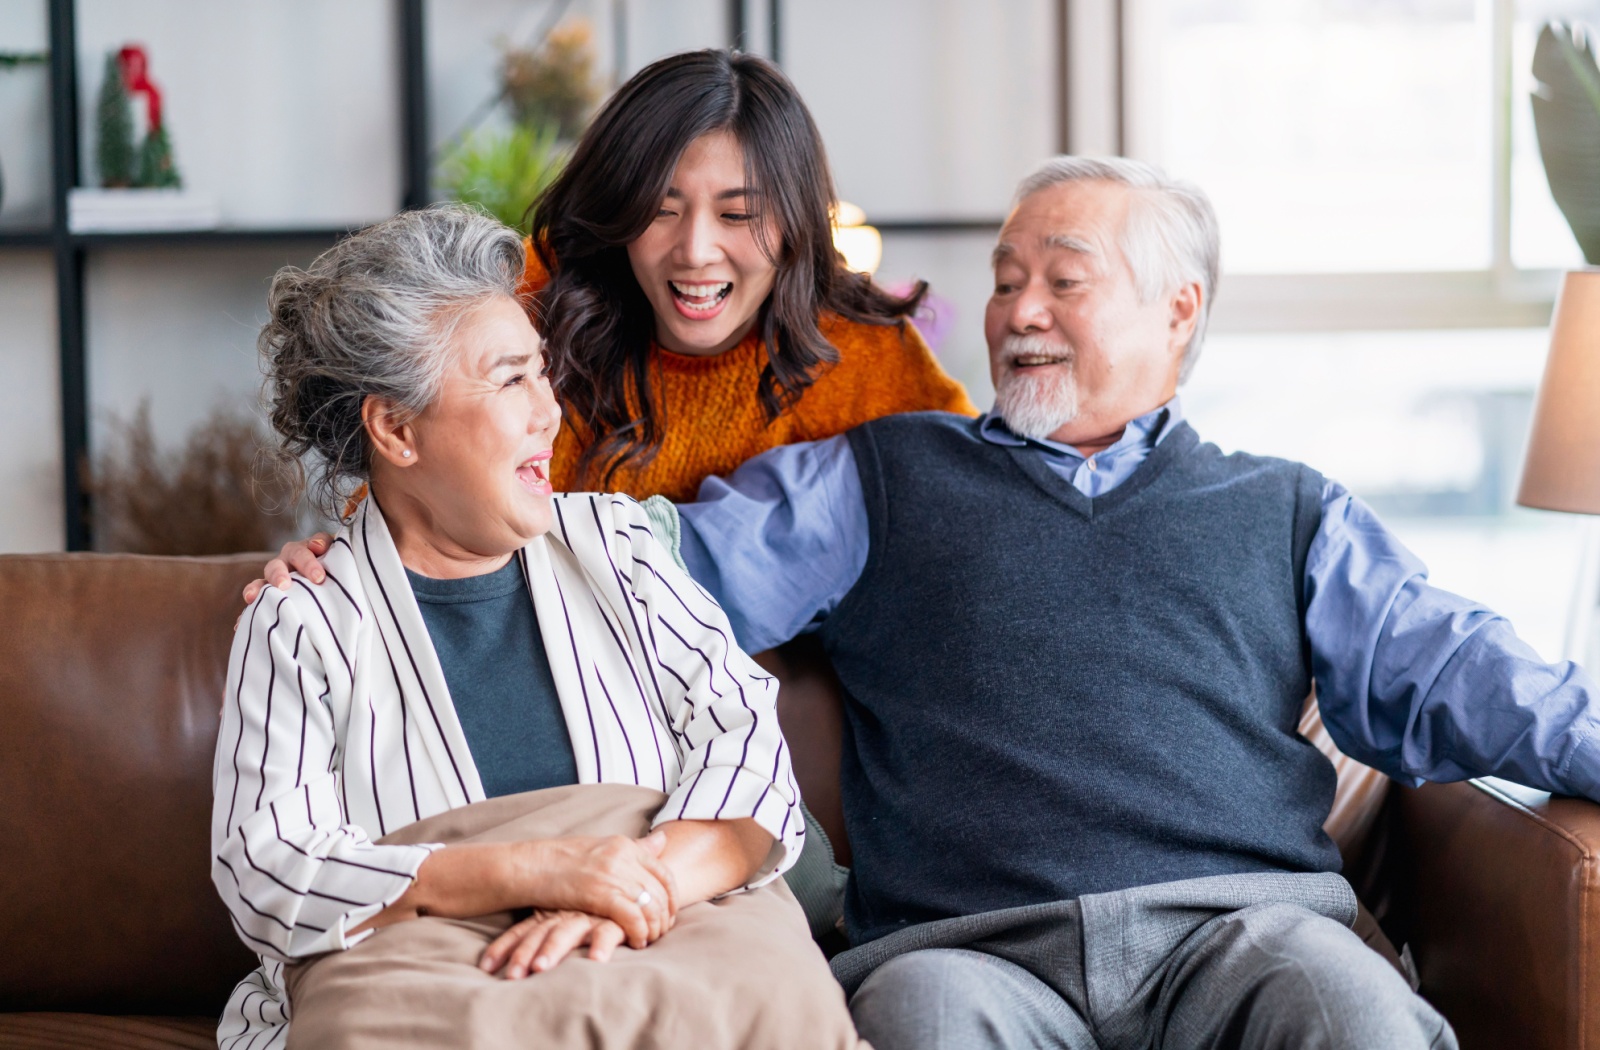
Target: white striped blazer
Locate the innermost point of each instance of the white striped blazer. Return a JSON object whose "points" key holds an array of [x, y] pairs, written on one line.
{"points": [[337, 728]]}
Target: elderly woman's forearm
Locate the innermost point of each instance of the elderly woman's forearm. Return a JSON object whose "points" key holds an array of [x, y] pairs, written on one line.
{"points": [[709, 857], [602, 876]]}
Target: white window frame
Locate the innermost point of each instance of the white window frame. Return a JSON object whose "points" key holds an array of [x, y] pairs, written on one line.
{"points": [[1107, 115]]}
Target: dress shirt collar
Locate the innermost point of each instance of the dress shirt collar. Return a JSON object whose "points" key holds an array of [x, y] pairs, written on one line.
{"points": [[1143, 433]]}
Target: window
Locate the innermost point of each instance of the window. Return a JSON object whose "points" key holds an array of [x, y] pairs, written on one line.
{"points": [[1334, 136], [1391, 251]]}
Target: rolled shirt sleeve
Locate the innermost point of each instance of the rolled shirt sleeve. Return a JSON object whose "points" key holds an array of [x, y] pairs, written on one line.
{"points": [[1423, 684], [722, 705], [295, 875]]}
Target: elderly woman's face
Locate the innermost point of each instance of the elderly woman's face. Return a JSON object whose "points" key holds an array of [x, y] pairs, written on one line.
{"points": [[478, 475]]}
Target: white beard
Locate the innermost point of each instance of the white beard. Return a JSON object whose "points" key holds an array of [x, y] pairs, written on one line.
{"points": [[1036, 404]]}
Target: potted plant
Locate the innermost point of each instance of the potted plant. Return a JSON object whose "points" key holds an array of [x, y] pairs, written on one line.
{"points": [[1566, 115], [503, 171], [548, 92]]}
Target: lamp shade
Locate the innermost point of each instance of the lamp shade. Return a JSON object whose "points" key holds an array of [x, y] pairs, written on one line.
{"points": [[1563, 467]]}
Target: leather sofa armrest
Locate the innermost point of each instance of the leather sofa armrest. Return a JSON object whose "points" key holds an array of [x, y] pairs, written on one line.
{"points": [[1499, 891]]}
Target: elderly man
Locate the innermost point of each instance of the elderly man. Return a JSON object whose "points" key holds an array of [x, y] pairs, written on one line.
{"points": [[1075, 641]]}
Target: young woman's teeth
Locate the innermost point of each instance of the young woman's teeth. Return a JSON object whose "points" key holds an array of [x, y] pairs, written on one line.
{"points": [[701, 296]]}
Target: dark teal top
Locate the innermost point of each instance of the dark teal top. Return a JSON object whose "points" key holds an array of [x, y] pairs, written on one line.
{"points": [[486, 634]]}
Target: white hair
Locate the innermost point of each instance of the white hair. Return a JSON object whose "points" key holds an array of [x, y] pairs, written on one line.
{"points": [[1170, 237]]}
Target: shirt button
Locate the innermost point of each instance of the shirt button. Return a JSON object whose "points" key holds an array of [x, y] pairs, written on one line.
{"points": [[1090, 463]]}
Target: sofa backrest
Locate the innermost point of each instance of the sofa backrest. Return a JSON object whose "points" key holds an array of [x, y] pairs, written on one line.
{"points": [[111, 677]]}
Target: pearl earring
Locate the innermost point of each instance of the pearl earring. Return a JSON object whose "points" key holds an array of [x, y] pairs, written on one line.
{"points": [[406, 453]]}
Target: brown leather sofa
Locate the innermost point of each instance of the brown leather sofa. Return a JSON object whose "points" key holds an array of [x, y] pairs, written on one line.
{"points": [[111, 671]]}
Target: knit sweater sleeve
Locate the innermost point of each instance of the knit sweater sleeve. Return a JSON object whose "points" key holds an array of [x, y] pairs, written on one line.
{"points": [[882, 370]]}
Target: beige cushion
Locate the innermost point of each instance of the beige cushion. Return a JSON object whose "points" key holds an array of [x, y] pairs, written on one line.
{"points": [[740, 972]]}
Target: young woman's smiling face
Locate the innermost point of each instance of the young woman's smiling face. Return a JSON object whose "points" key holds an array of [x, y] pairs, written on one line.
{"points": [[700, 262]]}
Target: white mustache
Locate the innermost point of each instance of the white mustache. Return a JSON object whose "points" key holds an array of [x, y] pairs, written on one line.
{"points": [[1016, 346]]}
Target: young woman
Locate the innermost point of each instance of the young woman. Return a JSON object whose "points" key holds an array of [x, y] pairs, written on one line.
{"points": [[688, 285]]}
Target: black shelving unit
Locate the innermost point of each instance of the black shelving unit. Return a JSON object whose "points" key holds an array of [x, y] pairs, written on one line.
{"points": [[70, 250], [42, 238]]}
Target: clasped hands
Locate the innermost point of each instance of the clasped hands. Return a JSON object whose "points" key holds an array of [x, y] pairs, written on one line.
{"points": [[601, 893]]}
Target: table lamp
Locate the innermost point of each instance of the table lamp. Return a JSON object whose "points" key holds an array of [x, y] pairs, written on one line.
{"points": [[860, 244], [1562, 471]]}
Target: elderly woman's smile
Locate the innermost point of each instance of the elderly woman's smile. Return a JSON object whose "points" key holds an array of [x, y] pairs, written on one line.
{"points": [[534, 474], [466, 481]]}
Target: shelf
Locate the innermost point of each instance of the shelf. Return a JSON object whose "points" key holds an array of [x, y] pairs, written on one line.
{"points": [[220, 237], [937, 225], [69, 251], [26, 238]]}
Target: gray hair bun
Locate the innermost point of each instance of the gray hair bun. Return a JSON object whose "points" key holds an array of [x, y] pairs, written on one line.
{"points": [[373, 316]]}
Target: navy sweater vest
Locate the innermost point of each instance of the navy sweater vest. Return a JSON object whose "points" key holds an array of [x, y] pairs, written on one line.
{"points": [[1049, 695]]}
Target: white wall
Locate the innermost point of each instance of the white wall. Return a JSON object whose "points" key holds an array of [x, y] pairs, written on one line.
{"points": [[177, 326], [30, 414], [929, 108], [657, 28], [285, 111]]}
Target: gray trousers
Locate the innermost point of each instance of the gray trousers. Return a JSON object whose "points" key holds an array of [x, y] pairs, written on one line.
{"points": [[1250, 961]]}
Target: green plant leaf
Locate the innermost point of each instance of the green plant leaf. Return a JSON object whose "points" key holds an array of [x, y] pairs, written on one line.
{"points": [[1566, 114], [503, 171]]}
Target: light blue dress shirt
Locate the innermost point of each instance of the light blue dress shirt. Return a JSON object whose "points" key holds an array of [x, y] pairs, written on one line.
{"points": [[1412, 680]]}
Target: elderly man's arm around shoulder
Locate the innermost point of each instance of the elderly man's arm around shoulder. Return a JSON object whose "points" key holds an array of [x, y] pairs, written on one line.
{"points": [[1426, 685]]}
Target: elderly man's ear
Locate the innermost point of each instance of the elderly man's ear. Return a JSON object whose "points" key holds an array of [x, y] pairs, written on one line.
{"points": [[390, 430], [1187, 303]]}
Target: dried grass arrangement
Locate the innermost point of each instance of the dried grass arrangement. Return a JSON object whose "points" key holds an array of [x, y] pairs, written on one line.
{"points": [[223, 492]]}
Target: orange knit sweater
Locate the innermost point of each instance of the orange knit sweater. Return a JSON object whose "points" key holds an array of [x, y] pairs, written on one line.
{"points": [[712, 416]]}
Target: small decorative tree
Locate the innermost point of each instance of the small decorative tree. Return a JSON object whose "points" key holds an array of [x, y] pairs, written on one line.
{"points": [[1566, 114], [121, 165], [156, 168], [114, 129]]}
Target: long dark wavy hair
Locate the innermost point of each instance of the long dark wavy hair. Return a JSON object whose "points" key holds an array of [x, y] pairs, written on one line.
{"points": [[593, 314]]}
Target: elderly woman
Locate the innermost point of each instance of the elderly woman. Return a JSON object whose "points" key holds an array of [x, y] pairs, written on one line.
{"points": [[478, 636]]}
